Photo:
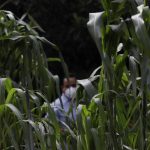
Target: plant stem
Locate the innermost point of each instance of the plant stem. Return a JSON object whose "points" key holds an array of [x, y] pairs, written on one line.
{"points": [[145, 2]]}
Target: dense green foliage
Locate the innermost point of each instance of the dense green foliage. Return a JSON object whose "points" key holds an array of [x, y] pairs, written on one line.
{"points": [[113, 104], [21, 102], [22, 56], [122, 38]]}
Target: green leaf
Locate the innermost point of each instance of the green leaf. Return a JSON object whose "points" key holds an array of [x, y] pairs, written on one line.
{"points": [[89, 88], [142, 33]]}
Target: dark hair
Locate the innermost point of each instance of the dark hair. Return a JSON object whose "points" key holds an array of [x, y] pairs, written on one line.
{"points": [[149, 3], [71, 75]]}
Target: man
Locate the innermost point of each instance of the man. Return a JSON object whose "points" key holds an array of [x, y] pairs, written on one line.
{"points": [[64, 107]]}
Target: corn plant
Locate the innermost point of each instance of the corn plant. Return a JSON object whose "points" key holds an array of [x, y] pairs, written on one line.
{"points": [[25, 100], [117, 117], [22, 56]]}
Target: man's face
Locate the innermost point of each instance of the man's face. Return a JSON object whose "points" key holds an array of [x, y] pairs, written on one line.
{"points": [[67, 83]]}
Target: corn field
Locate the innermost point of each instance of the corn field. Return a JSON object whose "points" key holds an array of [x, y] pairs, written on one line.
{"points": [[112, 105]]}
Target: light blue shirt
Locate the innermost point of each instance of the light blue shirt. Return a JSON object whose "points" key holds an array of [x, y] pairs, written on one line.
{"points": [[67, 111]]}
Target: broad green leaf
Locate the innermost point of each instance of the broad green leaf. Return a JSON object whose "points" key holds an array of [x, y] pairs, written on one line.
{"points": [[89, 88]]}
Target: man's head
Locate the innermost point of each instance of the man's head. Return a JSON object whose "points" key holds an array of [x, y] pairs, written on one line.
{"points": [[69, 86]]}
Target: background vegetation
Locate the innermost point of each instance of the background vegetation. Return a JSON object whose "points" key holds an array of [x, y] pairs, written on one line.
{"points": [[64, 22]]}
